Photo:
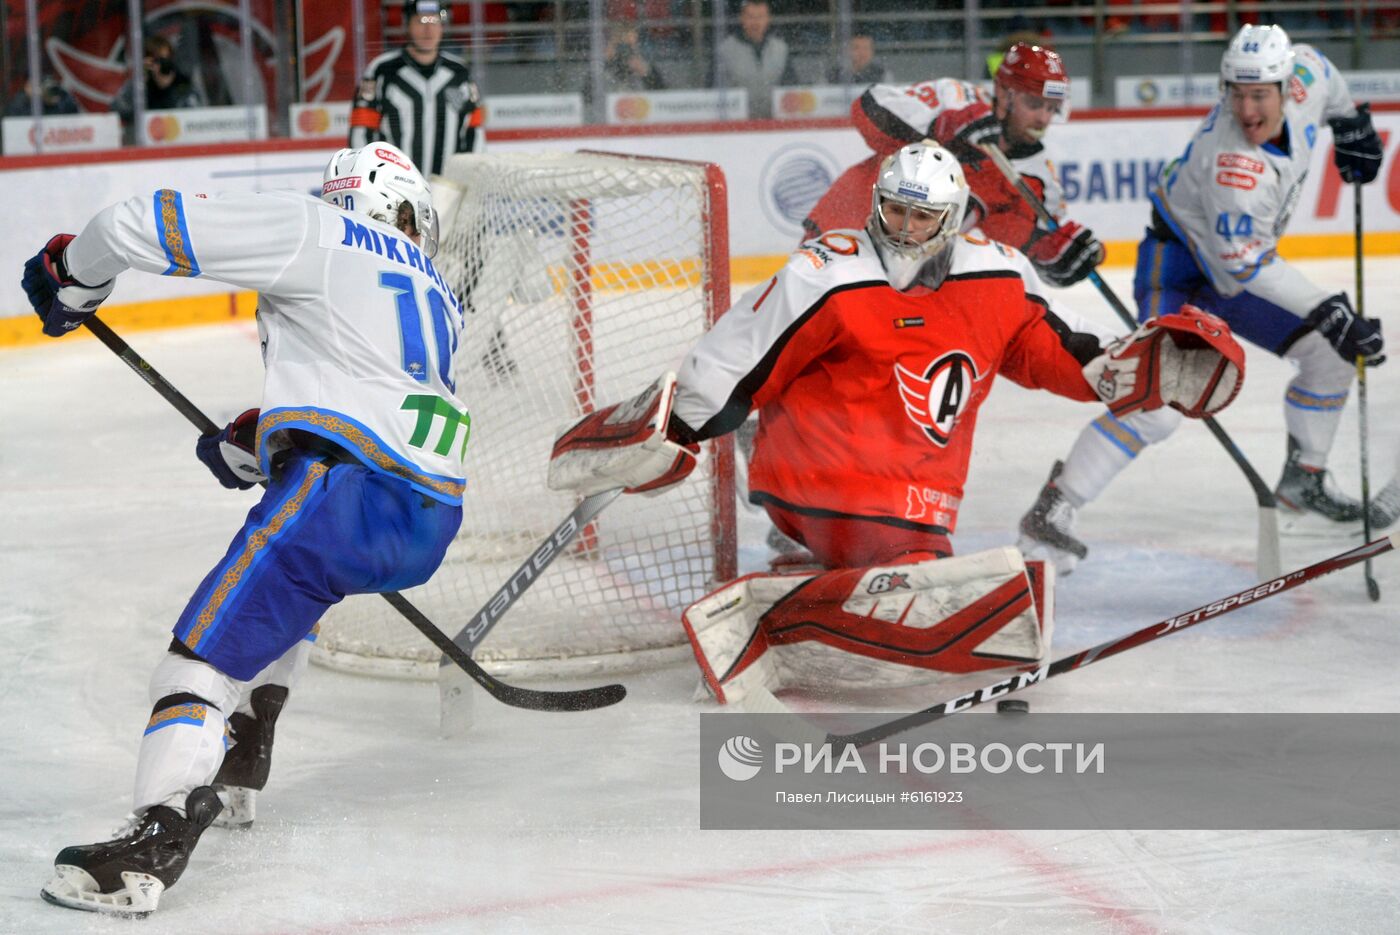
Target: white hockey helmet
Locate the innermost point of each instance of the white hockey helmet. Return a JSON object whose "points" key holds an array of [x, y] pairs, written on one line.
{"points": [[377, 180], [1258, 55], [927, 181]]}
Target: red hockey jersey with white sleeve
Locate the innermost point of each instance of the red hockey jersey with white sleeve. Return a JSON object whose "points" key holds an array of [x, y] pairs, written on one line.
{"points": [[358, 328], [868, 396]]}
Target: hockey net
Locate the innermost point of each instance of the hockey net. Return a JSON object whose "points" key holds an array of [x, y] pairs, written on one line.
{"points": [[585, 276]]}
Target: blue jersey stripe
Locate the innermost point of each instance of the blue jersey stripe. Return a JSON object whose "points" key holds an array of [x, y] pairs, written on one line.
{"points": [[174, 234]]}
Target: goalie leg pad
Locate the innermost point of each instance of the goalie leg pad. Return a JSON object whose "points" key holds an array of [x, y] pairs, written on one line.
{"points": [[623, 445], [880, 626]]}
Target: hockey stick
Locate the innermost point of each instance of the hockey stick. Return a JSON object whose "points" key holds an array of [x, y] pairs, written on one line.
{"points": [[581, 700], [1161, 628], [1268, 563], [470, 636], [1373, 590]]}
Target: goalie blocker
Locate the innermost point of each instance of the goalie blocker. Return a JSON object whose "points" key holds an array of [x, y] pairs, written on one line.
{"points": [[623, 445], [882, 626]]}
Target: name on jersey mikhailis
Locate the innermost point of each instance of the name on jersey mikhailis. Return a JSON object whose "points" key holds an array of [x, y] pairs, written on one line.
{"points": [[359, 236]]}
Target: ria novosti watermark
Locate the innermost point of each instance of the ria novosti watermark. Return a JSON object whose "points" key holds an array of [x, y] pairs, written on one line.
{"points": [[1140, 771], [741, 758]]}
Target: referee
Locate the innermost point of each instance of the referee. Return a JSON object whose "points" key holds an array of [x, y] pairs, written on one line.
{"points": [[421, 100]]}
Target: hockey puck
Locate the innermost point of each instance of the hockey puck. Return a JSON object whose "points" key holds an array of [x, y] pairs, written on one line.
{"points": [[1013, 706]]}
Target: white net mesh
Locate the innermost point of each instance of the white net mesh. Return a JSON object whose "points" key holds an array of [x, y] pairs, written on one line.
{"points": [[585, 276]]}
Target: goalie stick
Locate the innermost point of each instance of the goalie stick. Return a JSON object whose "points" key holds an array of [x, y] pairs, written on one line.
{"points": [[580, 700], [1268, 563], [1161, 628]]}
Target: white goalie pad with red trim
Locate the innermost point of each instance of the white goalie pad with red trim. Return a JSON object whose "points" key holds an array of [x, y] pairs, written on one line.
{"points": [[623, 445], [882, 626]]}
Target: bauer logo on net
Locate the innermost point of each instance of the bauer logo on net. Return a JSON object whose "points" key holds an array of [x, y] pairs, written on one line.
{"points": [[741, 758]]}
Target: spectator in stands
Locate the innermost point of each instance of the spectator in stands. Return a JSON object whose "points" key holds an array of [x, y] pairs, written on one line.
{"points": [[53, 99], [626, 68], [167, 88], [860, 58], [754, 59]]}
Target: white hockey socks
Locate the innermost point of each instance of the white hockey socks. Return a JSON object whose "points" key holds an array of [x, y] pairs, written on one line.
{"points": [[882, 626], [1106, 446], [1315, 398], [183, 742]]}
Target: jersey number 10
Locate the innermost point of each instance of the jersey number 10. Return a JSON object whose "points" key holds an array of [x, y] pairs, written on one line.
{"points": [[414, 349]]}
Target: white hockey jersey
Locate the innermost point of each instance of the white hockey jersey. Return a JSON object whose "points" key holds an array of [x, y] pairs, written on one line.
{"points": [[1230, 201], [358, 328]]}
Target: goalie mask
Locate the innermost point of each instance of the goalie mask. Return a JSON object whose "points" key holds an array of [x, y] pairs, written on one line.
{"points": [[378, 181], [1258, 55], [917, 208]]}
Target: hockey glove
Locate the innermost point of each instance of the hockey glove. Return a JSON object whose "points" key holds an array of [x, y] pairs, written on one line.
{"points": [[974, 125], [1351, 335], [1065, 255], [229, 454], [1187, 360], [1356, 146], [58, 299]]}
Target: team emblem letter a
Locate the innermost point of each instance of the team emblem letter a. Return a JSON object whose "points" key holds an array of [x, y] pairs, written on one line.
{"points": [[934, 400]]}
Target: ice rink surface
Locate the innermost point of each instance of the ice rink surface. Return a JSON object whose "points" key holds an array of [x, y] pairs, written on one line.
{"points": [[585, 823]]}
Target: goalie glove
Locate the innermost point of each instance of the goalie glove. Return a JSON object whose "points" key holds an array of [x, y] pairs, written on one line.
{"points": [[1187, 360], [623, 445], [229, 454], [58, 299]]}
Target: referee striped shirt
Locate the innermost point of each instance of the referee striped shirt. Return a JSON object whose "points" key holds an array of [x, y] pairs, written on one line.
{"points": [[428, 111]]}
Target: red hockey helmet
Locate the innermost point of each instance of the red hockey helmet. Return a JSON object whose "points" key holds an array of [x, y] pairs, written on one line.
{"points": [[1037, 70]]}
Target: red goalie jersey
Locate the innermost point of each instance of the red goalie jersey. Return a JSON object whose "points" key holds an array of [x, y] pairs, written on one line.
{"points": [[869, 396]]}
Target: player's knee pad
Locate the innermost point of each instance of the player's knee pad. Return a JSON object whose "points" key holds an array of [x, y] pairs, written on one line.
{"points": [[880, 626], [181, 675], [285, 671], [1321, 372]]}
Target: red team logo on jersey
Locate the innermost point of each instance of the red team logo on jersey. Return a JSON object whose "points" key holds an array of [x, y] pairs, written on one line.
{"points": [[934, 400]]}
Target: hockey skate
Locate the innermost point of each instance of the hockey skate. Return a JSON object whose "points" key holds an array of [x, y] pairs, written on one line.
{"points": [[1047, 528], [248, 762], [126, 876], [1311, 505]]}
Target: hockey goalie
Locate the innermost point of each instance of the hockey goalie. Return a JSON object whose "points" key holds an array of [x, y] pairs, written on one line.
{"points": [[867, 358]]}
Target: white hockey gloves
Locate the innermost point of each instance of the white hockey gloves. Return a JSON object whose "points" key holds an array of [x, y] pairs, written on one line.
{"points": [[623, 445], [1187, 360]]}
